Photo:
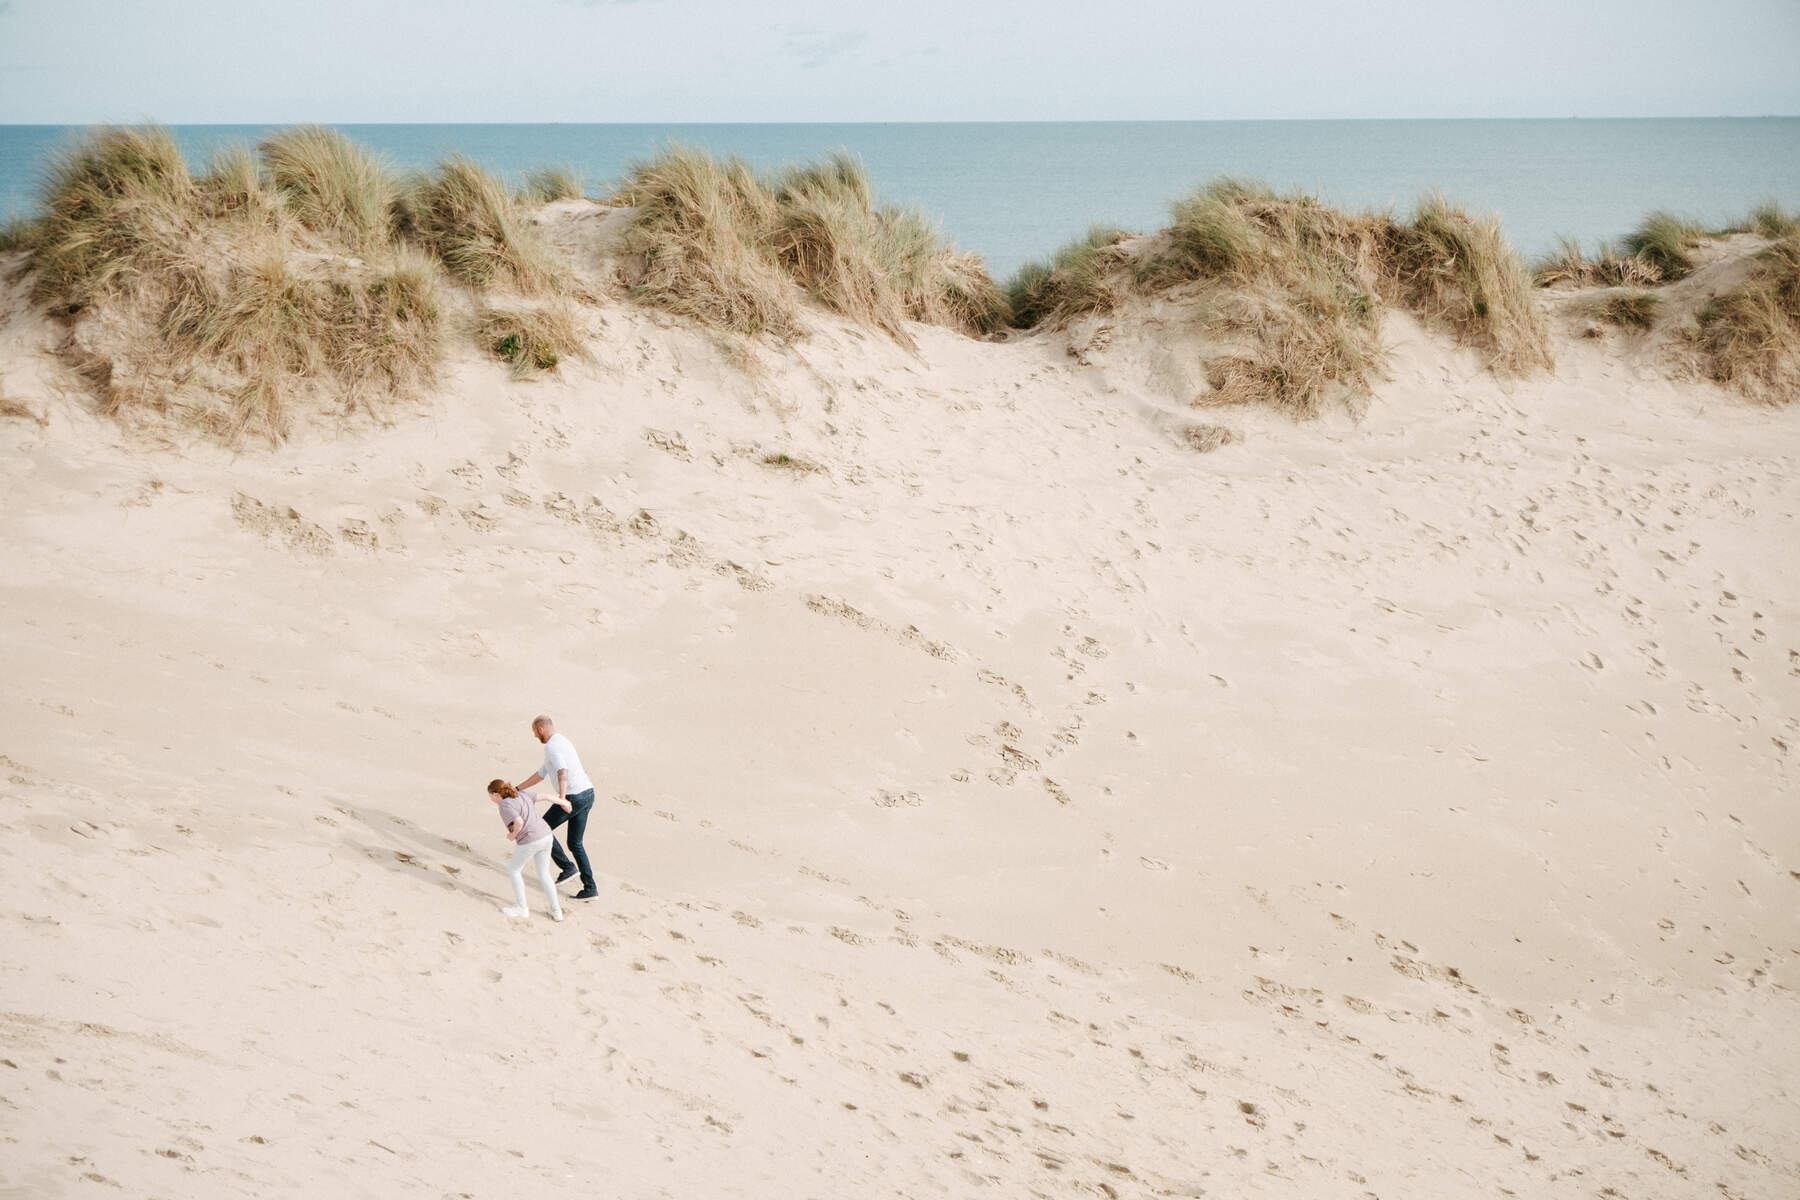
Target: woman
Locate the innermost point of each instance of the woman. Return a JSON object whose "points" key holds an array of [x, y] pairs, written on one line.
{"points": [[518, 811]]}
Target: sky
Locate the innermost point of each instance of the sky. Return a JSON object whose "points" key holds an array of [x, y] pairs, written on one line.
{"points": [[355, 61]]}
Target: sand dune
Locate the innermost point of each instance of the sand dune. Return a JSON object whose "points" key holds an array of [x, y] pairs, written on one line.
{"points": [[996, 795]]}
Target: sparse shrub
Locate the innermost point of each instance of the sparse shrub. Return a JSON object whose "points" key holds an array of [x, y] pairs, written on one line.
{"points": [[1632, 310], [331, 184], [1080, 279], [1750, 336], [463, 215], [1663, 241], [548, 184], [530, 339]]}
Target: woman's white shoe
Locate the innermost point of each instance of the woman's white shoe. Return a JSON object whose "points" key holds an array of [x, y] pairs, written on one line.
{"points": [[515, 912]]}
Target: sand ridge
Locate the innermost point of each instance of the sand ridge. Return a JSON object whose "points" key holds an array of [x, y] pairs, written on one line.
{"points": [[1011, 799]]}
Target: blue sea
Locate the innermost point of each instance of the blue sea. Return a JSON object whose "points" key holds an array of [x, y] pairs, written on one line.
{"points": [[1016, 191]]}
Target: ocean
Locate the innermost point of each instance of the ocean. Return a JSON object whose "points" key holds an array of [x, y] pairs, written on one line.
{"points": [[1016, 191]]}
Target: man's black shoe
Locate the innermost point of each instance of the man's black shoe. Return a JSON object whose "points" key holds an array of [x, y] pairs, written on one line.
{"points": [[567, 873], [587, 893]]}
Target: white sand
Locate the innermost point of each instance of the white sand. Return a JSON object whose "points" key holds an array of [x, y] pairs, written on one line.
{"points": [[1022, 804]]}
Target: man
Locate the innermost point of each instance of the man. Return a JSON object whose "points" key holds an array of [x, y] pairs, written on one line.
{"points": [[562, 768]]}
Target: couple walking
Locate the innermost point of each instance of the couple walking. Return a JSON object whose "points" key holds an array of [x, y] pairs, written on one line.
{"points": [[572, 801]]}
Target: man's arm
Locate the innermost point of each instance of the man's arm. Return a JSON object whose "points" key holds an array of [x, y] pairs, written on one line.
{"points": [[562, 784], [536, 777]]}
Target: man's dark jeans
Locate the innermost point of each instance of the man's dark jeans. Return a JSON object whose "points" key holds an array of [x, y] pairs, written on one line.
{"points": [[583, 803]]}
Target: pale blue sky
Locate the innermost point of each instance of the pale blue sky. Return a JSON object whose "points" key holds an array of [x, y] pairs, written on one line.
{"points": [[343, 61]]}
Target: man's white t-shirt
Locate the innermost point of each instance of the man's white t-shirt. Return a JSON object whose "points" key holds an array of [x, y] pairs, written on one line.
{"points": [[559, 755]]}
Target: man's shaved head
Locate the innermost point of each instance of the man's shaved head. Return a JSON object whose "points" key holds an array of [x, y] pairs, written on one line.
{"points": [[541, 722]]}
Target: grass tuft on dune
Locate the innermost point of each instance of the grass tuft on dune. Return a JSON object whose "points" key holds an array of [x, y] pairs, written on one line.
{"points": [[1664, 240], [545, 185], [1750, 336], [465, 216], [331, 184], [714, 241], [1295, 289], [530, 339]]}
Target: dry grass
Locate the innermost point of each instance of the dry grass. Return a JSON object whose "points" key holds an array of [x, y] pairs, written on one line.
{"points": [[1459, 271], [530, 339], [1293, 284], [464, 216], [1296, 289], [1769, 220], [1082, 278], [1570, 265], [1750, 336], [715, 242], [701, 240], [331, 184], [1663, 241], [546, 185], [1631, 310], [216, 300]]}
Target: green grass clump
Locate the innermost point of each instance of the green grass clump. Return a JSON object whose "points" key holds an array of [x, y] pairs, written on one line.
{"points": [[826, 236], [530, 339], [1663, 240], [464, 216], [1080, 279], [332, 185], [548, 184], [1459, 271], [1750, 336]]}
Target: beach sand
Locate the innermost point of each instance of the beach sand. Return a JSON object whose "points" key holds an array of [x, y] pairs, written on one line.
{"points": [[994, 795]]}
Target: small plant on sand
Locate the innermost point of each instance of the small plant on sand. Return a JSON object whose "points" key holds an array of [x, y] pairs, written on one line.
{"points": [[1750, 336], [530, 339], [464, 216], [546, 185], [331, 184], [783, 461], [1663, 241], [1631, 310], [1082, 278]]}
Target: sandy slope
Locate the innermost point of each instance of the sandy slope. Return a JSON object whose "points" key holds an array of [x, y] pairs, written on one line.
{"points": [[1019, 803]]}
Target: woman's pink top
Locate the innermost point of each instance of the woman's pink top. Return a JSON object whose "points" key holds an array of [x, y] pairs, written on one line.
{"points": [[523, 807]]}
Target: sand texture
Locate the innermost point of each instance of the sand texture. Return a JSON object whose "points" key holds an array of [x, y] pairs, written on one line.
{"points": [[996, 795]]}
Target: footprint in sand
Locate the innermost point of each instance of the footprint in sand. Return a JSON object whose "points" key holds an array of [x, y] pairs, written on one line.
{"points": [[1152, 864]]}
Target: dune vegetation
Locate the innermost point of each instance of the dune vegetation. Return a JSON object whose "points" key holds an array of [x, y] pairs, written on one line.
{"points": [[1749, 336], [715, 241], [304, 273], [1296, 289]]}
